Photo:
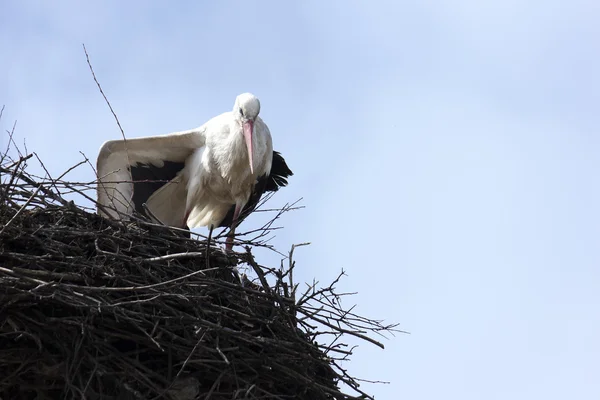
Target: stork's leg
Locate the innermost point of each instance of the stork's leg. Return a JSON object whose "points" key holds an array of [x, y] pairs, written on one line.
{"points": [[210, 231], [207, 261], [236, 215]]}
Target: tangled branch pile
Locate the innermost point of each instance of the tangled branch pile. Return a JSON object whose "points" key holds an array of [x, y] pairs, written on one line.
{"points": [[99, 309]]}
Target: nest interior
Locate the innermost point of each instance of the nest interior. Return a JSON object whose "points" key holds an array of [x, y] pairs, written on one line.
{"points": [[99, 309]]}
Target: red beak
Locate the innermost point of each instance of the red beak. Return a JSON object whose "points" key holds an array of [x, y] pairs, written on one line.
{"points": [[248, 127]]}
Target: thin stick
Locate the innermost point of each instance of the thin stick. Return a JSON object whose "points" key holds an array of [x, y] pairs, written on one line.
{"points": [[20, 209]]}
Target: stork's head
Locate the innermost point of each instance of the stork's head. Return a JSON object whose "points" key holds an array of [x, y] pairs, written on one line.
{"points": [[246, 109]]}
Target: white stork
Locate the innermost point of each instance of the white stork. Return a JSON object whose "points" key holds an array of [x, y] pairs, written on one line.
{"points": [[201, 177]]}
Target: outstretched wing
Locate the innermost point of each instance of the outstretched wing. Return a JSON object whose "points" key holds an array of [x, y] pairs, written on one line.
{"points": [[122, 164], [277, 178]]}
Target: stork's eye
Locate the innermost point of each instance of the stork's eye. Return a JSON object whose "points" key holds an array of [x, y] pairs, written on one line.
{"points": [[241, 111]]}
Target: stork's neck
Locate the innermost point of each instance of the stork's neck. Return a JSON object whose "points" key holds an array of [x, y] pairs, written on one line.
{"points": [[229, 149]]}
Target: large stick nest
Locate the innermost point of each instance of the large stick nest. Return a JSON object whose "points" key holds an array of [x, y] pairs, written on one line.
{"points": [[99, 309]]}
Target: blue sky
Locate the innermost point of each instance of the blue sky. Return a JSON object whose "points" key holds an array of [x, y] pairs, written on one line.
{"points": [[447, 153]]}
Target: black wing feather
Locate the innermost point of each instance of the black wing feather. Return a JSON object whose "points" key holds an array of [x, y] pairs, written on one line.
{"points": [[147, 179]]}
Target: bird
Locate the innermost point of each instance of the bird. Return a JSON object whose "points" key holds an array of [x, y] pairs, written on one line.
{"points": [[211, 176]]}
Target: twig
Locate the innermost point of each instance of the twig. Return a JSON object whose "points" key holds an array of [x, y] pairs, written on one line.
{"points": [[87, 57], [23, 207]]}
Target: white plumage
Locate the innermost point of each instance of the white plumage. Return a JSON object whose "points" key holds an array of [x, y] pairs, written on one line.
{"points": [[210, 169]]}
